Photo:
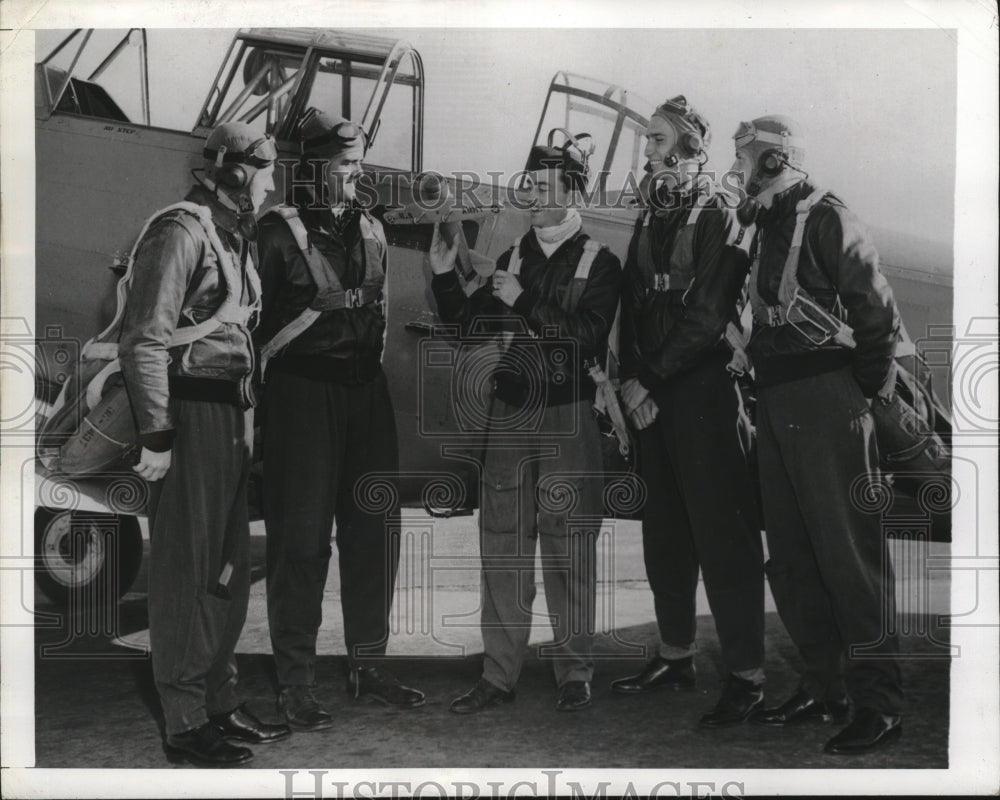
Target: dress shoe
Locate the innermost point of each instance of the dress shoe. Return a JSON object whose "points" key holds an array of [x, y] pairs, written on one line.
{"points": [[205, 746], [573, 695], [483, 695], [740, 698], [802, 708], [241, 725], [301, 709], [375, 684], [870, 729], [659, 672]]}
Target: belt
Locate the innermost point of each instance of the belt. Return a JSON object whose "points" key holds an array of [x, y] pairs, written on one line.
{"points": [[208, 390]]}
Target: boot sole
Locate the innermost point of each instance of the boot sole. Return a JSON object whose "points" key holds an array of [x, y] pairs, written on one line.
{"points": [[889, 738], [175, 755], [300, 728], [478, 709], [674, 687]]}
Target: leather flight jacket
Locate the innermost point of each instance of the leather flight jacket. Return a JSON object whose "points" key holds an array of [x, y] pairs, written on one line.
{"points": [[838, 268], [180, 281], [343, 344]]}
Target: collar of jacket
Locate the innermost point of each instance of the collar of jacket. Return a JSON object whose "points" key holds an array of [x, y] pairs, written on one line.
{"points": [[670, 201], [784, 203], [223, 217]]}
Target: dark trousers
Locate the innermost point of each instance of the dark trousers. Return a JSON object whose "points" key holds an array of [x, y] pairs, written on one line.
{"points": [[330, 453], [546, 493], [829, 568], [701, 511], [198, 524]]}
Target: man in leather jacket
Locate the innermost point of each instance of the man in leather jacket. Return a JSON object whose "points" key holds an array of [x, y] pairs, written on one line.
{"points": [[686, 267], [328, 423], [193, 408], [543, 444], [829, 570]]}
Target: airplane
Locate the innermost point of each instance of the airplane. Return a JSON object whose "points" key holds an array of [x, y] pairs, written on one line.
{"points": [[104, 173]]}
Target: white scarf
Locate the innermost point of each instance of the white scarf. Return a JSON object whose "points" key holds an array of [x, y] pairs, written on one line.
{"points": [[551, 237]]}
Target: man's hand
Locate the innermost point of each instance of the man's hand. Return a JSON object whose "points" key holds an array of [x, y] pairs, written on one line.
{"points": [[152, 465], [441, 257], [634, 394], [506, 287], [644, 414]]}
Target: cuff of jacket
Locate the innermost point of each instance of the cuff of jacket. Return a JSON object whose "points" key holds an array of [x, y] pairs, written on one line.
{"points": [[523, 305], [443, 281], [157, 441], [649, 379]]}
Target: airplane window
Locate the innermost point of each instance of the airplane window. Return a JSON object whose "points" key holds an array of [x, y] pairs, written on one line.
{"points": [[582, 115], [392, 145], [327, 93], [258, 91]]}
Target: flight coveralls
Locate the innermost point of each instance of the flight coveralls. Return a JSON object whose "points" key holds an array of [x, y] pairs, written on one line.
{"points": [[196, 400], [328, 422], [829, 569], [682, 283], [542, 478]]}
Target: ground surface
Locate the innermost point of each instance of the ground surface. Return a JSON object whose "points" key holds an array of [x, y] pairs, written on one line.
{"points": [[96, 705]]}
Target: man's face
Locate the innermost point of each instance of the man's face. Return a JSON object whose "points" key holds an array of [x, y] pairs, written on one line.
{"points": [[744, 166], [261, 183], [548, 196], [342, 173], [661, 143]]}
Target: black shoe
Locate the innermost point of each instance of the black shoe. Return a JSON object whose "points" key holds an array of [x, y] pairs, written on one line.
{"points": [[483, 695], [301, 709], [659, 672], [870, 729], [740, 698], [205, 746], [377, 685], [573, 695], [241, 725], [802, 708]]}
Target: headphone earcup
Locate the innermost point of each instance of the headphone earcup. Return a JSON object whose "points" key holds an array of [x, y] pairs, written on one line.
{"points": [[771, 163], [691, 142], [232, 176]]}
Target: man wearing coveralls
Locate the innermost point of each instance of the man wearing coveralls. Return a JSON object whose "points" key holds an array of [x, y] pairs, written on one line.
{"points": [[528, 299], [685, 271], [193, 408], [328, 422], [825, 330]]}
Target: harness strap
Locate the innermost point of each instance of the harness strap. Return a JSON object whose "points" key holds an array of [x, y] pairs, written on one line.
{"points": [[789, 275], [229, 311]]}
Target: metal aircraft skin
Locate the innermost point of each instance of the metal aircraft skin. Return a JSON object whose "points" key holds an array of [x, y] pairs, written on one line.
{"points": [[101, 175]]}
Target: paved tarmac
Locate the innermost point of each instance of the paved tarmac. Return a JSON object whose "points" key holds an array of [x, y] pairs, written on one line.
{"points": [[96, 705]]}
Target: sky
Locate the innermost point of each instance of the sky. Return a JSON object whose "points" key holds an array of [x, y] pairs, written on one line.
{"points": [[877, 105]]}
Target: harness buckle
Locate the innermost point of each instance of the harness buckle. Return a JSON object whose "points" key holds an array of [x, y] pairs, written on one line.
{"points": [[661, 282], [354, 298]]}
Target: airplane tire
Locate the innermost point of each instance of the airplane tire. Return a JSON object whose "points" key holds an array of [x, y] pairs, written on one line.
{"points": [[86, 558]]}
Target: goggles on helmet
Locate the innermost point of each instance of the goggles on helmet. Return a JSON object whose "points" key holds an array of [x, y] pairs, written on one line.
{"points": [[261, 153], [748, 133]]}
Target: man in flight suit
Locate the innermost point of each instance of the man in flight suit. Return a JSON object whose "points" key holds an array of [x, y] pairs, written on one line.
{"points": [[329, 422], [829, 570], [539, 378], [686, 266], [193, 282]]}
